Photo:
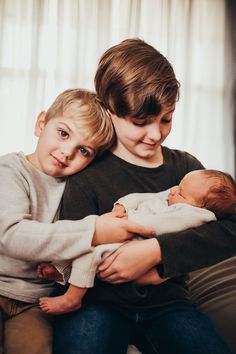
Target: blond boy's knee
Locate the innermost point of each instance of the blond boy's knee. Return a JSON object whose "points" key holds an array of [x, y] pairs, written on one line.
{"points": [[29, 332]]}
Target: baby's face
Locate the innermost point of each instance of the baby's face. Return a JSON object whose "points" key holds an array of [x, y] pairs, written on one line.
{"points": [[191, 190]]}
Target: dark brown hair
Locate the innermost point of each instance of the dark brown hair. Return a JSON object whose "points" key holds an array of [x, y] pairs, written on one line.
{"points": [[133, 79], [221, 197]]}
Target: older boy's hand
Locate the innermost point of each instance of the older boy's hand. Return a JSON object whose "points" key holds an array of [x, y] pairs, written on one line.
{"points": [[151, 277], [110, 228], [130, 261]]}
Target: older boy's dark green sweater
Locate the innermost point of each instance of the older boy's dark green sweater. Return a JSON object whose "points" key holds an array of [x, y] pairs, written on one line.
{"points": [[94, 190]]}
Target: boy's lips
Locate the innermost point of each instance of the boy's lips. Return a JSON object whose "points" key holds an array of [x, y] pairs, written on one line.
{"points": [[149, 145], [59, 162]]}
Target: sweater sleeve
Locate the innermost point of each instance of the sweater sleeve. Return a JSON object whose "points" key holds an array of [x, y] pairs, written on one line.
{"points": [[192, 249], [36, 241], [24, 238]]}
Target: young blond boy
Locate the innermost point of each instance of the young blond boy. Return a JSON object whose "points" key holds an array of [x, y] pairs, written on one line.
{"points": [[70, 134]]}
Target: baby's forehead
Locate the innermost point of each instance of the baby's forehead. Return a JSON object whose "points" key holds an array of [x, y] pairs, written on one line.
{"points": [[193, 178], [194, 175]]}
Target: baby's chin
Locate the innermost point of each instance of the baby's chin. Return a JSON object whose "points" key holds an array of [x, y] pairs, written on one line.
{"points": [[172, 201]]}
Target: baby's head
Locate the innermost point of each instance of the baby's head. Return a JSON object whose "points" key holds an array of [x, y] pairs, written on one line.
{"points": [[74, 129], [210, 189]]}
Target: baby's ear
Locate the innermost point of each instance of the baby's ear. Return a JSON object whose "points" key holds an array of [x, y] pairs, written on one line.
{"points": [[40, 123]]}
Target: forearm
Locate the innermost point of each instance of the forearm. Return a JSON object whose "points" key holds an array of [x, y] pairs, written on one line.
{"points": [[130, 261], [36, 241], [193, 249]]}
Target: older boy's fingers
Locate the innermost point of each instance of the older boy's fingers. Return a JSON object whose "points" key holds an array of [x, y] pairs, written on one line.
{"points": [[140, 229], [109, 274], [112, 279], [107, 262]]}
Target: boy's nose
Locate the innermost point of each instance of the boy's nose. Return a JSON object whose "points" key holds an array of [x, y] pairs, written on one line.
{"points": [[153, 131], [68, 152]]}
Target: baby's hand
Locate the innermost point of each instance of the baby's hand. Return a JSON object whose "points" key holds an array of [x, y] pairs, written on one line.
{"points": [[119, 211], [48, 271]]}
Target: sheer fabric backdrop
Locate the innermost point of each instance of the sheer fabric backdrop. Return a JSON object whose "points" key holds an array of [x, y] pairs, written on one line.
{"points": [[47, 46]]}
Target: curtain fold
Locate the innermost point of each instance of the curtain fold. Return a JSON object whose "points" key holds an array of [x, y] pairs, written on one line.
{"points": [[231, 18], [47, 46]]}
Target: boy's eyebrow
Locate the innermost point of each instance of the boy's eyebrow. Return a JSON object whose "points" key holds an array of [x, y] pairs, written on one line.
{"points": [[88, 146], [67, 126]]}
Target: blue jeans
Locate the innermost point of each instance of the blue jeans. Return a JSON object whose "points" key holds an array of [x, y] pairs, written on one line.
{"points": [[177, 328]]}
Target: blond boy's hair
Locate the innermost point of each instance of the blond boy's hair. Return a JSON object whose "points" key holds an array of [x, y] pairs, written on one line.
{"points": [[91, 118]]}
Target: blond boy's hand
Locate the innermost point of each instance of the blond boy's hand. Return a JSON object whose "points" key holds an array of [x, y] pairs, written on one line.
{"points": [[111, 228]]}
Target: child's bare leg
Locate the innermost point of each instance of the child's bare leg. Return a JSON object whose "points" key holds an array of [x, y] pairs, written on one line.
{"points": [[48, 271], [68, 302]]}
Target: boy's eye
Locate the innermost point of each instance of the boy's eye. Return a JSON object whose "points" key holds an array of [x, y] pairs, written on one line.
{"points": [[166, 120], [84, 151], [139, 122], [63, 133]]}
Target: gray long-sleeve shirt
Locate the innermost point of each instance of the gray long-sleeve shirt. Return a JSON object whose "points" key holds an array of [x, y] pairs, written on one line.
{"points": [[29, 230]]}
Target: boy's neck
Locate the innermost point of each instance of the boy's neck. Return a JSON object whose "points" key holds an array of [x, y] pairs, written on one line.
{"points": [[154, 161]]}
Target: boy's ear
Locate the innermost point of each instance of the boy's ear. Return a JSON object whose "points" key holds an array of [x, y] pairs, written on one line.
{"points": [[40, 123]]}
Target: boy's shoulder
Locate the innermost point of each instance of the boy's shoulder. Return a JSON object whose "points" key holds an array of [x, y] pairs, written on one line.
{"points": [[177, 154], [109, 165], [14, 166], [101, 171], [100, 163], [12, 159], [175, 157], [13, 171]]}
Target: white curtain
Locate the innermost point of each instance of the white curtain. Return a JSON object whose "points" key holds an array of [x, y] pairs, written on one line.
{"points": [[47, 46]]}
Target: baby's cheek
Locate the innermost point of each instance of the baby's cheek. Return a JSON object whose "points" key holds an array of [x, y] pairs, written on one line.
{"points": [[173, 200]]}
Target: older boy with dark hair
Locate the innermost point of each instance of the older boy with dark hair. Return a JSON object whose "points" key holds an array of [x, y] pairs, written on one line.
{"points": [[138, 86]]}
